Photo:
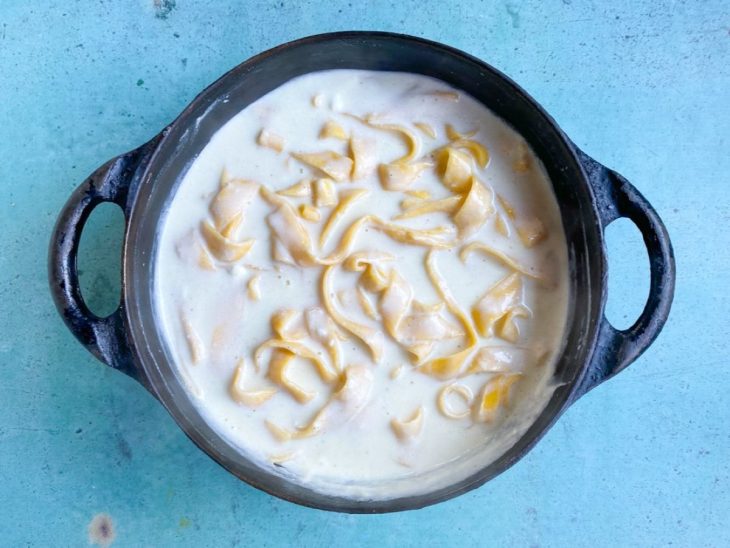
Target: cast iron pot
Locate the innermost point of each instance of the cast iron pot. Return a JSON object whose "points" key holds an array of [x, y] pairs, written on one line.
{"points": [[143, 182]]}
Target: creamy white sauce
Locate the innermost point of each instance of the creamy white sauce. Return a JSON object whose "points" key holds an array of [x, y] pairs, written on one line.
{"points": [[358, 456]]}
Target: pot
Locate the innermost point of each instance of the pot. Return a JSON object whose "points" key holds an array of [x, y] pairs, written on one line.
{"points": [[142, 182]]}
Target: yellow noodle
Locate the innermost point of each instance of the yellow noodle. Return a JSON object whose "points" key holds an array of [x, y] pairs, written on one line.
{"points": [[205, 261], [230, 203], [530, 272], [531, 231], [500, 359], [461, 390], [222, 248], [372, 338], [252, 288], [284, 457], [300, 350], [349, 197], [298, 190], [402, 234], [273, 198], [497, 302], [349, 399], [309, 213], [409, 429], [195, 345], [506, 327], [277, 431], [333, 130], [346, 242], [447, 95], [454, 135], [500, 225], [521, 163], [325, 194], [478, 151], [281, 324], [448, 366], [413, 143], [323, 330], [279, 373], [360, 261], [426, 129], [493, 395], [397, 371], [424, 237], [445, 205], [230, 228], [224, 178], [271, 140], [508, 207], [363, 152], [400, 175], [475, 209], [420, 194], [292, 242], [365, 304], [454, 168], [328, 162], [395, 301], [409, 203], [251, 398]]}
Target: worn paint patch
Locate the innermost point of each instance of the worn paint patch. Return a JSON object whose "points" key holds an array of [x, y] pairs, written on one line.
{"points": [[184, 522], [124, 448], [101, 530], [163, 8]]}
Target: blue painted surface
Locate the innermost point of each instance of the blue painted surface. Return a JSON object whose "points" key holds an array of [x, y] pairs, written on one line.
{"points": [[641, 461]]}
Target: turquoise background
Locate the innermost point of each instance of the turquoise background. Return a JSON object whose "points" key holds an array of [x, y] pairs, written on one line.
{"points": [[641, 461]]}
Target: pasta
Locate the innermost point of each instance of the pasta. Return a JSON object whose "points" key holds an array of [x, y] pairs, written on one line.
{"points": [[332, 164], [333, 130], [359, 272], [271, 140], [251, 398], [408, 430], [444, 400]]}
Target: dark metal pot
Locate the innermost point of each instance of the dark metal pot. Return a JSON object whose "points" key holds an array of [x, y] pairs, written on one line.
{"points": [[143, 182]]}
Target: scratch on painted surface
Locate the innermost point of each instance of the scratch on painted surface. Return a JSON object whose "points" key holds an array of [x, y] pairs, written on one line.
{"points": [[124, 448], [29, 429]]}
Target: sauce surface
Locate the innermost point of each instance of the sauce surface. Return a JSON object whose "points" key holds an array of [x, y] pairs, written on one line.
{"points": [[363, 283]]}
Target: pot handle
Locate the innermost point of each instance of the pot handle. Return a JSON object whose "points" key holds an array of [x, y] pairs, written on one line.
{"points": [[115, 182], [617, 348]]}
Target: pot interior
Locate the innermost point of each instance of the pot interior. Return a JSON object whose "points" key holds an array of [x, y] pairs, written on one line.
{"points": [[370, 51]]}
